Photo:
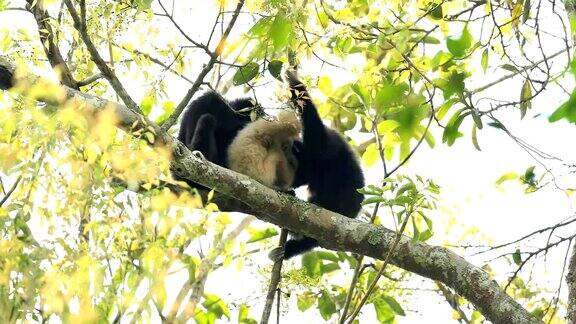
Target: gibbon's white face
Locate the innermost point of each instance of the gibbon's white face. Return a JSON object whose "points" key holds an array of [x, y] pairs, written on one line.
{"points": [[263, 151]]}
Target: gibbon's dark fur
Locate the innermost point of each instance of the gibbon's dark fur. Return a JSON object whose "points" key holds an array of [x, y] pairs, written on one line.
{"points": [[209, 125], [263, 151], [326, 163], [6, 78]]}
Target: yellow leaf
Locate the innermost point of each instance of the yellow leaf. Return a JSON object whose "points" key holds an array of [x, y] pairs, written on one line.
{"points": [[370, 156]]}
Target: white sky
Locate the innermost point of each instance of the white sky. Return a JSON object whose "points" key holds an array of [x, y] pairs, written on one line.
{"points": [[467, 178]]}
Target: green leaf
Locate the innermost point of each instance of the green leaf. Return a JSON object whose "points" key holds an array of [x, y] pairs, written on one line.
{"points": [[475, 138], [362, 94], [243, 315], [329, 267], [517, 257], [305, 301], [387, 126], [262, 235], [451, 132], [525, 98], [437, 13], [459, 46], [280, 32], [326, 306], [529, 175], [147, 103], [454, 85], [275, 69], [430, 40], [507, 177], [394, 305], [526, 11], [261, 27], [566, 110], [142, 5], [509, 67], [330, 256], [246, 73], [372, 200], [216, 306], [441, 112], [312, 265], [370, 155], [384, 313], [484, 60], [390, 94]]}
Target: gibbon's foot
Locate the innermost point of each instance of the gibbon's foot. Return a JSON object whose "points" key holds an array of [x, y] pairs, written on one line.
{"points": [[276, 254], [198, 154]]}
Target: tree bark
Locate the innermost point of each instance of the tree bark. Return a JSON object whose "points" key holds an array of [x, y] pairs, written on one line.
{"points": [[333, 231], [571, 281]]}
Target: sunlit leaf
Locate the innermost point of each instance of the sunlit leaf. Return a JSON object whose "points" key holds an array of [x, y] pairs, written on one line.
{"points": [[326, 306], [262, 235], [525, 98], [459, 46], [246, 73]]}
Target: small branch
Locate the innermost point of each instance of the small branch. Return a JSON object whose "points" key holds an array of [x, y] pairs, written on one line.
{"points": [[452, 300], [372, 286], [10, 192], [571, 281], [90, 80], [50, 45], [197, 282], [100, 63], [274, 281], [513, 74], [170, 121]]}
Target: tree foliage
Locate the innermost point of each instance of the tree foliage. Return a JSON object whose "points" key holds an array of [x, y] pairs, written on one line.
{"points": [[92, 226]]}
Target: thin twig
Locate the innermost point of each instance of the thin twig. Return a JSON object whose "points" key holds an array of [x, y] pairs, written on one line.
{"points": [[100, 63], [379, 274], [9, 193], [170, 121], [274, 280]]}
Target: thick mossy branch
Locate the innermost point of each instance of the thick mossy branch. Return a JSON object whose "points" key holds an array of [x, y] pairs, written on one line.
{"points": [[333, 231]]}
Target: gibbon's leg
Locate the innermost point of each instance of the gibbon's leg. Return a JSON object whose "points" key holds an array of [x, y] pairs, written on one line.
{"points": [[298, 246], [204, 139]]}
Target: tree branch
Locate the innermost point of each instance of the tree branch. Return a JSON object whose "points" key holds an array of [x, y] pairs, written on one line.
{"points": [[333, 231], [274, 280], [49, 44], [100, 63], [571, 281], [170, 121], [197, 281]]}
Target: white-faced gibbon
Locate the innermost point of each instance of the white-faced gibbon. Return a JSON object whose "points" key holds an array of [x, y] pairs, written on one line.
{"points": [[263, 151], [326, 163]]}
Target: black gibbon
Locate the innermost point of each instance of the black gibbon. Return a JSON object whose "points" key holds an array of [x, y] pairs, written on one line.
{"points": [[326, 163], [209, 125], [263, 151]]}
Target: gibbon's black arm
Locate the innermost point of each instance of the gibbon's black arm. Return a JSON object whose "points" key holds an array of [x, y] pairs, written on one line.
{"points": [[315, 135], [327, 164], [6, 78]]}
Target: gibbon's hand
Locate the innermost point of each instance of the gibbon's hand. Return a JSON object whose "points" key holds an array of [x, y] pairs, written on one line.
{"points": [[297, 89], [276, 254], [198, 154]]}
